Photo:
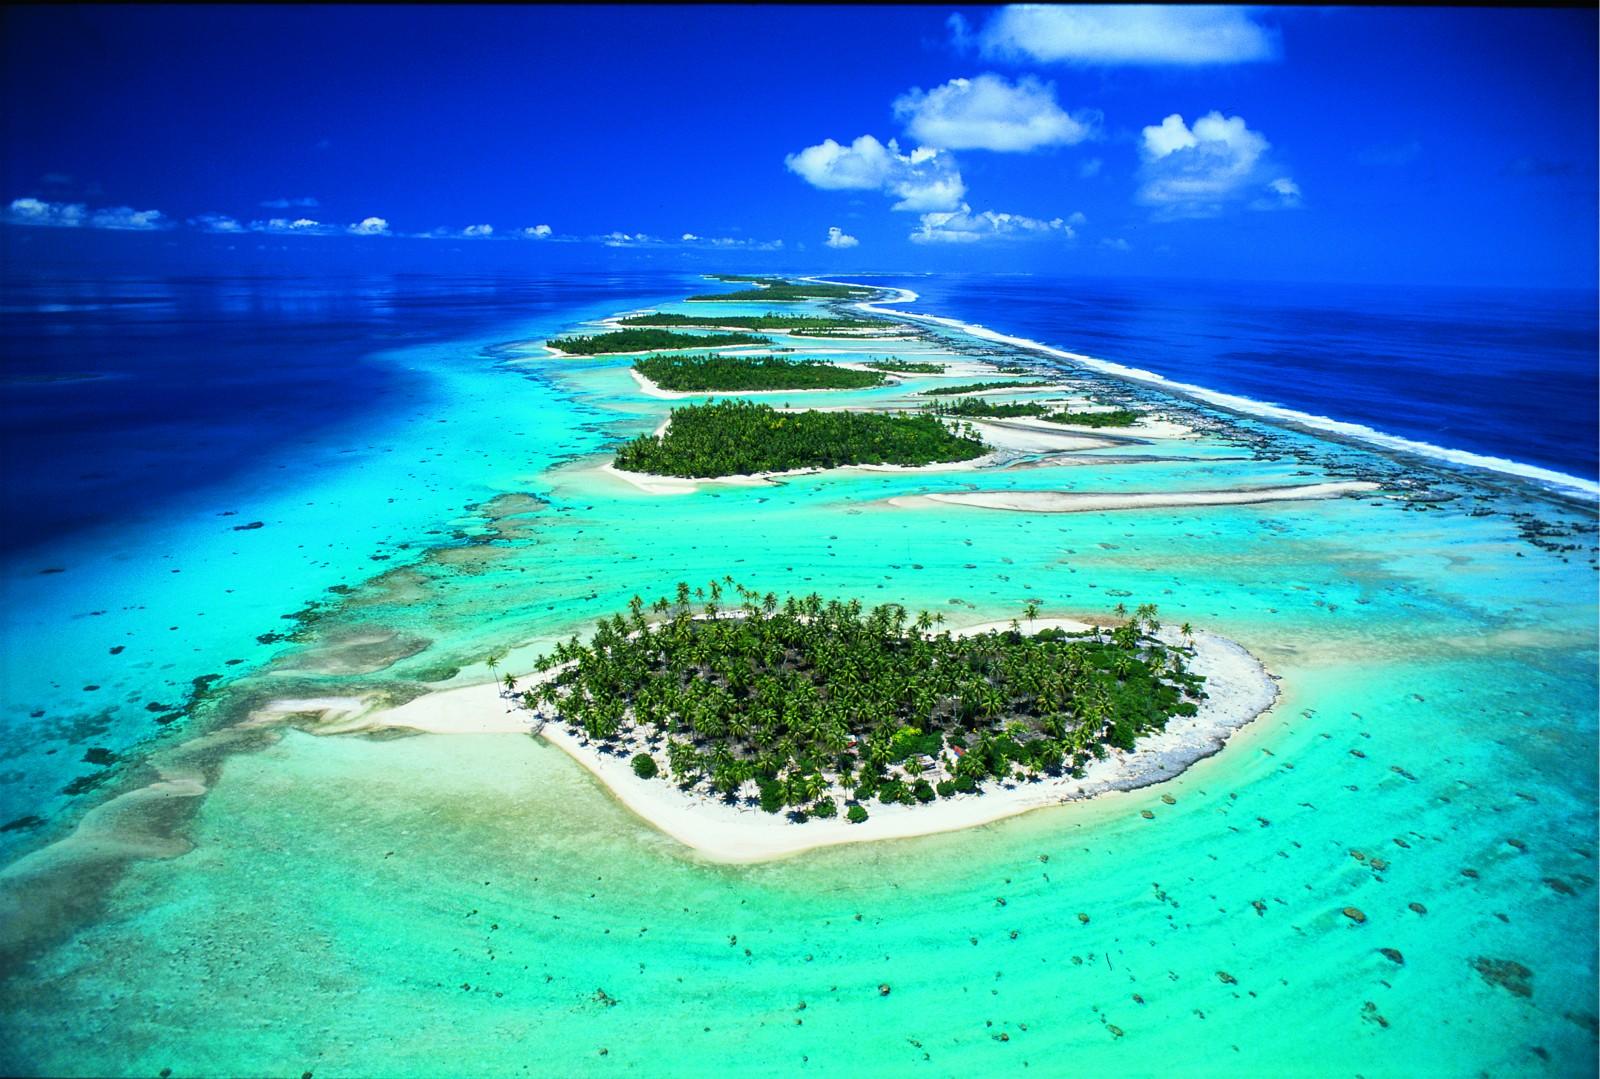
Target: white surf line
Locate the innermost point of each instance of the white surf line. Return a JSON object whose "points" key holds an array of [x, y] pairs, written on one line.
{"points": [[1246, 405]]}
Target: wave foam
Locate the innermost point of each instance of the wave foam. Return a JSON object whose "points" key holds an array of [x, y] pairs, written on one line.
{"points": [[1248, 405]]}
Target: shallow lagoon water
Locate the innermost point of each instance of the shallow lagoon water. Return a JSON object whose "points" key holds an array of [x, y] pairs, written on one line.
{"points": [[367, 906]]}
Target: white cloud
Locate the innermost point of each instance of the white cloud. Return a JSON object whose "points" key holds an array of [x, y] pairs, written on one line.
{"points": [[625, 239], [1195, 172], [478, 230], [1282, 194], [1115, 244], [285, 204], [300, 226], [1128, 34], [838, 238], [963, 226], [924, 179], [989, 113], [1090, 168], [537, 232], [371, 226], [31, 211], [694, 240], [126, 218], [216, 223]]}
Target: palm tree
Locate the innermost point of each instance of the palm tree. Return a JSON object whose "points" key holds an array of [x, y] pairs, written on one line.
{"points": [[1030, 611]]}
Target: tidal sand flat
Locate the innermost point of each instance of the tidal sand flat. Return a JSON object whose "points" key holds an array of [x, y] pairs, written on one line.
{"points": [[1401, 848]]}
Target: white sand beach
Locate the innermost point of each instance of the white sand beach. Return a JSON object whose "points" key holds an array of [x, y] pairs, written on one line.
{"points": [[1088, 501], [1238, 690]]}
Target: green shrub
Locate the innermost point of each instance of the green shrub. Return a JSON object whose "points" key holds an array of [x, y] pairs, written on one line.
{"points": [[923, 790], [856, 814], [771, 795], [644, 766], [946, 788], [825, 808]]}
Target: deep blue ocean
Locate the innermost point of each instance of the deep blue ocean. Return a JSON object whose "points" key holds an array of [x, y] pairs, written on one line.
{"points": [[120, 392], [1507, 373]]}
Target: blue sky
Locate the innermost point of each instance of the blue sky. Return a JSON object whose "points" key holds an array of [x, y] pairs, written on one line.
{"points": [[1391, 145]]}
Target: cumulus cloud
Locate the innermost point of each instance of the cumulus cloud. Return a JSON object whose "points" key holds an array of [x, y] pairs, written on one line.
{"points": [[1128, 34], [126, 218], [962, 226], [1196, 172], [370, 226], [1285, 191], [626, 239], [216, 223], [537, 232], [288, 204], [693, 240], [31, 211], [478, 230], [838, 238], [989, 113], [299, 226], [924, 179], [1115, 244]]}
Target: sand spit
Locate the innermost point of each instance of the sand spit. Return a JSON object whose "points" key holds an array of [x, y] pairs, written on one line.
{"points": [[1089, 501]]}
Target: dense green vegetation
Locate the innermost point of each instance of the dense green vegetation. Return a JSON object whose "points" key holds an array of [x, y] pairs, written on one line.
{"points": [[777, 290], [980, 387], [649, 340], [718, 374], [731, 438], [906, 367], [1014, 369], [760, 279], [810, 699], [1120, 417], [979, 406], [768, 321]]}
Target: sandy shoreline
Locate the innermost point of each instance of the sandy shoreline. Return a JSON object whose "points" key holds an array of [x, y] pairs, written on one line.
{"points": [[1238, 690], [1088, 501]]}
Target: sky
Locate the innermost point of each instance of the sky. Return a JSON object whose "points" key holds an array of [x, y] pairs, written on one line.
{"points": [[1387, 145]]}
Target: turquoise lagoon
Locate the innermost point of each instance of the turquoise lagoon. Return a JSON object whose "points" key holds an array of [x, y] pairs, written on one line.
{"points": [[478, 905]]}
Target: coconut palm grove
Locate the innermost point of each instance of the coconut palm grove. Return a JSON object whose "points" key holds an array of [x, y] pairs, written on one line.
{"points": [[819, 702]]}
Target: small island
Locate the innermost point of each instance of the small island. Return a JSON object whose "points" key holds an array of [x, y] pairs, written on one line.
{"points": [[905, 367], [737, 438], [727, 374], [980, 387], [823, 707], [623, 342], [778, 290], [768, 321], [975, 407]]}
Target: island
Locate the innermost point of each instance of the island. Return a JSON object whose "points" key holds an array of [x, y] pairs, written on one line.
{"points": [[980, 387], [778, 290], [974, 407], [719, 374], [623, 342], [737, 438], [823, 706], [768, 321], [905, 367]]}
